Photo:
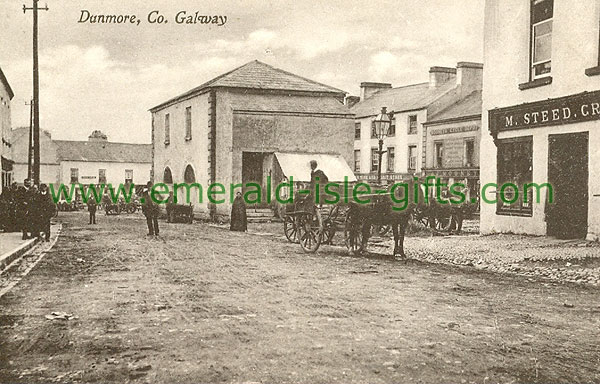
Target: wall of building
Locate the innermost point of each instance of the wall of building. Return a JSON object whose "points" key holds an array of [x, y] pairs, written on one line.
{"points": [[574, 48], [400, 141], [454, 143], [5, 127], [239, 132], [49, 167], [180, 153], [115, 172]]}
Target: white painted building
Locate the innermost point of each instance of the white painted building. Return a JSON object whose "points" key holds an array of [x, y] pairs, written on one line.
{"points": [[411, 106], [94, 161], [6, 95], [541, 104]]}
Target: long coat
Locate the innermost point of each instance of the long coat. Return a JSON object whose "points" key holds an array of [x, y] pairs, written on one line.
{"points": [[239, 221]]}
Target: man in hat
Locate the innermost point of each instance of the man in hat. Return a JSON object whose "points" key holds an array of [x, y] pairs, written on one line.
{"points": [[150, 210]]}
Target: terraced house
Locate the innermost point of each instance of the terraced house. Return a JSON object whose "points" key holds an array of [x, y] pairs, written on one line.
{"points": [[250, 125], [409, 152]]}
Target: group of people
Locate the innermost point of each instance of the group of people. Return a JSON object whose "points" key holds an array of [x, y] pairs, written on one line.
{"points": [[28, 209]]}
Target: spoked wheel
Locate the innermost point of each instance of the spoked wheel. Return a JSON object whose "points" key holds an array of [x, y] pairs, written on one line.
{"points": [[309, 232], [353, 236], [290, 229]]}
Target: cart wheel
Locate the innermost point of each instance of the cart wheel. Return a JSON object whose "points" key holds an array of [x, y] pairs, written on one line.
{"points": [[353, 236], [309, 233], [290, 229]]}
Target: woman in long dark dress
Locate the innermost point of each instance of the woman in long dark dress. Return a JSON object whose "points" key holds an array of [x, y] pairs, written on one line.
{"points": [[239, 222]]}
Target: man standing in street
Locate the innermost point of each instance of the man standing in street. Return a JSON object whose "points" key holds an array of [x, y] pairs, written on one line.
{"points": [[47, 210], [22, 207], [92, 206], [150, 210]]}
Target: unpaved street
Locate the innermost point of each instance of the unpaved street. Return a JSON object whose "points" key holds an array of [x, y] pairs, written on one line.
{"points": [[202, 304]]}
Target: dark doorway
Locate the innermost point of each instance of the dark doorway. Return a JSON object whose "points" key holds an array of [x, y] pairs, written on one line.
{"points": [[252, 171], [567, 216]]}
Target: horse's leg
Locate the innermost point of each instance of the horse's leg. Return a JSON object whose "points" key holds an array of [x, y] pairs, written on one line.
{"points": [[395, 231], [403, 224], [366, 232]]}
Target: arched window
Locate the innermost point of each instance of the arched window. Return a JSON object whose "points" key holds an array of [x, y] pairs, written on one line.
{"points": [[189, 176], [167, 177]]}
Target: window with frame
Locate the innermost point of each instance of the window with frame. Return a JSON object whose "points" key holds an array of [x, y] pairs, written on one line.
{"points": [[412, 125], [439, 154], [412, 157], [515, 166], [128, 176], [392, 130], [374, 160], [102, 176], [373, 130], [167, 129], [357, 131], [469, 153], [74, 175], [391, 158], [188, 123], [542, 12], [357, 160]]}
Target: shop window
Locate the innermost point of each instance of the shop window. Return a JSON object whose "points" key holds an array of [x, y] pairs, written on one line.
{"points": [[391, 157], [357, 131], [357, 160], [541, 38], [515, 166], [412, 157], [412, 124]]}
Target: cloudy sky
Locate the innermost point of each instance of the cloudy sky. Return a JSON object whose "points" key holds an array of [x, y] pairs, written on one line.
{"points": [[106, 77]]}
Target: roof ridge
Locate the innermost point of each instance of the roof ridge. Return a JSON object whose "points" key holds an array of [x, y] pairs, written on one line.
{"points": [[99, 142]]}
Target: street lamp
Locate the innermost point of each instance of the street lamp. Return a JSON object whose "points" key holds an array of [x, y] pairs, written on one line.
{"points": [[382, 125]]}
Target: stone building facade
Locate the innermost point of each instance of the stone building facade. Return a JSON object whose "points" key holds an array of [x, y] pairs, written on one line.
{"points": [[230, 130], [541, 105]]}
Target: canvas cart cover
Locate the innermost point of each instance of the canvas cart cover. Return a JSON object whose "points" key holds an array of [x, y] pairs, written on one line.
{"points": [[298, 166]]}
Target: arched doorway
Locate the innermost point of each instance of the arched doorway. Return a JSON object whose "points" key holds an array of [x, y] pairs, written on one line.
{"points": [[189, 175], [167, 176]]}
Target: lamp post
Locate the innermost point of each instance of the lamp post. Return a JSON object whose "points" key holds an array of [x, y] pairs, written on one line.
{"points": [[382, 125]]}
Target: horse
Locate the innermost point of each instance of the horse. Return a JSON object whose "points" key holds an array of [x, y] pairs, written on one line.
{"points": [[392, 205]]}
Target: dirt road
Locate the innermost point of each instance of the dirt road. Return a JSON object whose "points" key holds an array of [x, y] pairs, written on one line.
{"points": [[201, 304]]}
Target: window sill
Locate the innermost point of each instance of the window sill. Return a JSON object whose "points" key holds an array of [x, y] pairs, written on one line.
{"points": [[188, 139], [594, 71], [167, 143], [515, 213], [536, 83]]}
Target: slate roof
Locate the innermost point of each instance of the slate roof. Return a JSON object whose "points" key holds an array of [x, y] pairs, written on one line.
{"points": [[407, 98], [100, 151], [258, 75], [309, 104], [103, 151], [467, 106]]}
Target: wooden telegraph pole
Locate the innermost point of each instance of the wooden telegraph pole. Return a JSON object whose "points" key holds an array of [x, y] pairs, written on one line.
{"points": [[30, 147], [36, 96]]}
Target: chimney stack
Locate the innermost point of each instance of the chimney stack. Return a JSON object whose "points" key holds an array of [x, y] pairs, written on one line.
{"points": [[97, 136], [440, 75], [368, 89], [469, 75]]}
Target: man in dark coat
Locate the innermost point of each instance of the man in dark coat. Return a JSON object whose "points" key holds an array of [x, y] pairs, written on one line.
{"points": [[46, 210], [317, 177], [239, 221], [150, 210], [92, 207]]}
